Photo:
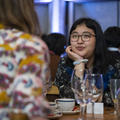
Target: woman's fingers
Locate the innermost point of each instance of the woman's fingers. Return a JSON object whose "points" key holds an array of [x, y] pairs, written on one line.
{"points": [[72, 54]]}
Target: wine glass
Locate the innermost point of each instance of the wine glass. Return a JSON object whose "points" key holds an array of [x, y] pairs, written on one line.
{"points": [[114, 89], [96, 82], [81, 89]]}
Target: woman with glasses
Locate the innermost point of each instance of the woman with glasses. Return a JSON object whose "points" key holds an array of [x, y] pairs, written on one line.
{"points": [[86, 43]]}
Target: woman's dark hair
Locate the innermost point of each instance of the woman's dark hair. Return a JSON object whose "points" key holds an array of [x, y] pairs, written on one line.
{"points": [[55, 42], [112, 36], [99, 65], [19, 14]]}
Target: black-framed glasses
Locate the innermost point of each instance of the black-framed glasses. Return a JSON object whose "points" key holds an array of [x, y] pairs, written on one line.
{"points": [[84, 37]]}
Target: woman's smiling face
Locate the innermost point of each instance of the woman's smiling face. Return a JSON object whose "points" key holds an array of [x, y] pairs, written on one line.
{"points": [[85, 42]]}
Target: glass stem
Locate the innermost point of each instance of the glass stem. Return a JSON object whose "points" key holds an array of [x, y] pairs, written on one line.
{"points": [[82, 111], [116, 107], [92, 107]]}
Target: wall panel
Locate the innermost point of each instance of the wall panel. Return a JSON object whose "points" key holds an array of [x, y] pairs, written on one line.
{"points": [[104, 12]]}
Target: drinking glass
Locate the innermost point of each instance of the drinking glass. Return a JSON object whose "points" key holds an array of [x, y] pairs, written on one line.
{"points": [[115, 90], [82, 90], [118, 112], [96, 82]]}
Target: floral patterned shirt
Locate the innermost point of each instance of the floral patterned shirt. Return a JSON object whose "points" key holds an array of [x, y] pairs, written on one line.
{"points": [[24, 71], [63, 79]]}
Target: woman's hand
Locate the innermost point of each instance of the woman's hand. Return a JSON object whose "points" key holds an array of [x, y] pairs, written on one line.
{"points": [[78, 67], [72, 55]]}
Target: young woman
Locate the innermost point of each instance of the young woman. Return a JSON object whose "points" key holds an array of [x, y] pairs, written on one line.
{"points": [[86, 42], [24, 58]]}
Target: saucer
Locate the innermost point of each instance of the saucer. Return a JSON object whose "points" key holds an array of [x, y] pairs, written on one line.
{"points": [[71, 112], [54, 116]]}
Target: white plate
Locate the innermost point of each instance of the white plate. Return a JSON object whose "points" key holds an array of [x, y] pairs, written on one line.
{"points": [[55, 116], [71, 112]]}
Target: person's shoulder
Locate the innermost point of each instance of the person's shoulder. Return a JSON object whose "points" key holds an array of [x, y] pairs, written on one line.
{"points": [[115, 56], [39, 40], [29, 39], [66, 60], [63, 57], [115, 59]]}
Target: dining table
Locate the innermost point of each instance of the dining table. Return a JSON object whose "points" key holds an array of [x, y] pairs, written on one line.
{"points": [[108, 115]]}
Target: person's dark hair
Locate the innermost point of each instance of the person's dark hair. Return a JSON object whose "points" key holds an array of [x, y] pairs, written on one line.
{"points": [[99, 64], [19, 14], [112, 36], [55, 42]]}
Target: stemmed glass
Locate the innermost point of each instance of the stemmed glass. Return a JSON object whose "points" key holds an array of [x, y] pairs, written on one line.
{"points": [[82, 89], [96, 82], [115, 90]]}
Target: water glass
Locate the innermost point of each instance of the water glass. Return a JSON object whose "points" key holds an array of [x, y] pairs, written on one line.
{"points": [[118, 113], [96, 82], [115, 93], [82, 91]]}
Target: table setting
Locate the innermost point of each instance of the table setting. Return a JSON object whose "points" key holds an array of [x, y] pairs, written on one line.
{"points": [[88, 91], [63, 106], [86, 105]]}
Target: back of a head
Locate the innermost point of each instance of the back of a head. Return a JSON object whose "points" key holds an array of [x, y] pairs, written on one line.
{"points": [[19, 14], [56, 43], [112, 36]]}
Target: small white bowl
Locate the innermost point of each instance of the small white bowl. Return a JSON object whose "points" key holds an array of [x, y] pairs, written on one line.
{"points": [[65, 104]]}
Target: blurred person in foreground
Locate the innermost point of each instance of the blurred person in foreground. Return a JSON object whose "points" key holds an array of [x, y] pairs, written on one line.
{"points": [[86, 42], [24, 59]]}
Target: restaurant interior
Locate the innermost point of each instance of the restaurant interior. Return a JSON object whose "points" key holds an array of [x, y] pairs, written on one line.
{"points": [[57, 16], [62, 69]]}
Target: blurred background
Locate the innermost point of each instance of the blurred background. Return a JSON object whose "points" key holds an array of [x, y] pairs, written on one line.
{"points": [[59, 15]]}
